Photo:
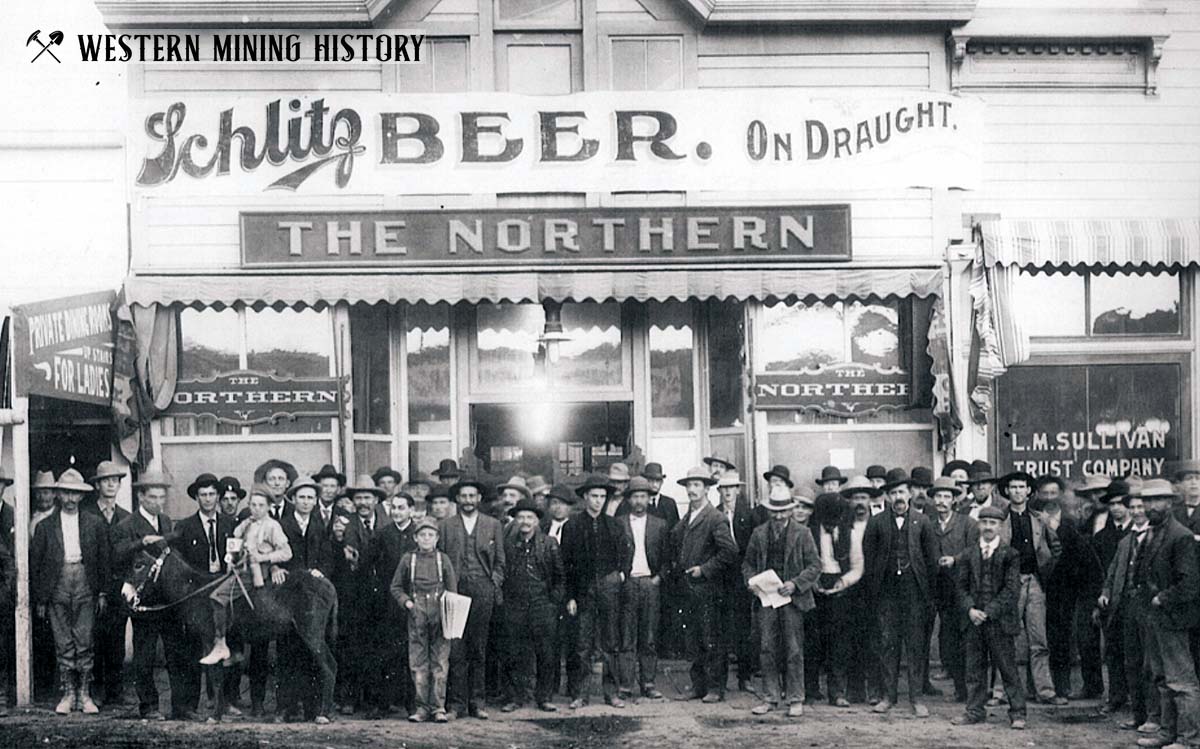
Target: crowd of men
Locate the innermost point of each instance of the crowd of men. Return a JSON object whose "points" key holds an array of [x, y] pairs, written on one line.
{"points": [[826, 590]]}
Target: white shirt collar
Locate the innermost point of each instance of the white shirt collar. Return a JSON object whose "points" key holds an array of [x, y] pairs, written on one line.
{"points": [[151, 519], [989, 548]]}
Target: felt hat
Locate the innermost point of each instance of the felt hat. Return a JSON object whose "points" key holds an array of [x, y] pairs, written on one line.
{"points": [[203, 480], [654, 472], [329, 472], [638, 484], [894, 478], [728, 466], [1093, 483], [262, 490], [517, 483], [562, 493], [876, 472], [417, 477], [956, 465], [439, 490], [859, 485], [991, 512], [385, 471], [44, 480], [831, 473], [364, 483], [922, 476], [593, 481], [618, 472], [1116, 490], [529, 505], [465, 481], [426, 522], [1160, 488], [108, 470], [783, 472], [150, 479], [779, 500], [802, 498], [538, 485], [230, 484], [980, 473], [300, 483], [731, 478], [1186, 468], [72, 481], [260, 473], [1048, 479], [945, 484], [1014, 476], [447, 469], [696, 473]]}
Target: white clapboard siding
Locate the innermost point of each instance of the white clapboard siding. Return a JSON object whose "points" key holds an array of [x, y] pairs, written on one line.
{"points": [[269, 77]]}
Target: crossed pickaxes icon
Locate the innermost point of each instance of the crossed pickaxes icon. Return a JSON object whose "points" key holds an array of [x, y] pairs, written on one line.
{"points": [[56, 38]]}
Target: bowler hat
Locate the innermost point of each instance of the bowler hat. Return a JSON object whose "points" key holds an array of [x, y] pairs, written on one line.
{"points": [[108, 470], [945, 484], [364, 483], [654, 472], [71, 481], [1014, 476], [696, 473], [956, 465], [980, 473], [831, 473], [44, 480], [1186, 468], [1117, 490], [802, 498], [385, 471], [448, 469], [859, 485], [922, 476], [894, 478], [876, 472], [594, 481], [526, 504], [719, 460], [439, 490], [779, 500], [731, 478], [991, 512], [300, 483], [562, 493], [329, 472], [1160, 488], [618, 472], [638, 484], [203, 480], [516, 483], [151, 479], [783, 472], [463, 482], [230, 484], [426, 522]]}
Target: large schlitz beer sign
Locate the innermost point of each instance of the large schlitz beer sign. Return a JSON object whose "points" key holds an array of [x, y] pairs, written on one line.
{"points": [[602, 141], [246, 398], [847, 390]]}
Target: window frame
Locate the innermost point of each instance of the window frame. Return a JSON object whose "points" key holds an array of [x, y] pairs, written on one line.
{"points": [[611, 40], [1108, 339], [504, 39]]}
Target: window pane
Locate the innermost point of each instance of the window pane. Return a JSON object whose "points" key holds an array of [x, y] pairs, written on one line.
{"points": [[424, 456], [592, 356], [369, 353], [211, 341], [428, 357], [1135, 305], [725, 334], [507, 341], [539, 69], [291, 343], [800, 336], [671, 389], [664, 64], [874, 334], [1050, 305], [540, 11], [369, 455], [629, 64], [444, 66]]}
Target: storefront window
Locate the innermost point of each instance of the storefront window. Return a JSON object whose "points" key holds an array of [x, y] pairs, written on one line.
{"points": [[211, 342], [1097, 304], [428, 362], [425, 455], [592, 355], [369, 353], [507, 342], [289, 343], [798, 336], [672, 403], [726, 331], [511, 354]]}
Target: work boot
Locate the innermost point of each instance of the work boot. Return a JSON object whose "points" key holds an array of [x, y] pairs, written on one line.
{"points": [[85, 693], [66, 681]]}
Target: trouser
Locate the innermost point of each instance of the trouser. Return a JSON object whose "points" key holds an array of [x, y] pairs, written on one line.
{"points": [[706, 647], [428, 652], [866, 658], [816, 655], [1059, 610], [565, 634], [110, 650], [835, 631], [258, 669], [638, 662], [1174, 676], [988, 645], [468, 656], [782, 634], [950, 644], [1143, 694], [598, 618], [399, 688], [1032, 649], [1087, 640], [72, 616], [529, 629], [147, 631], [1114, 660], [735, 603], [669, 639], [902, 614]]}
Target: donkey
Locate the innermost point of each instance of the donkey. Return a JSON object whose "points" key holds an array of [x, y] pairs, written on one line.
{"points": [[303, 608]]}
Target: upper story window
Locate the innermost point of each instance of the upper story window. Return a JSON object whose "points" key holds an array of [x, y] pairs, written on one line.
{"points": [[1098, 304], [557, 14]]}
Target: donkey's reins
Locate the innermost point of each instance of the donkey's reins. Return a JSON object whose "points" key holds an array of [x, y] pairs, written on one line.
{"points": [[155, 569]]}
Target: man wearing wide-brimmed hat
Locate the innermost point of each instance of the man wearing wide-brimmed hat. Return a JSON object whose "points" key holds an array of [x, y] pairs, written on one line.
{"points": [[643, 559], [736, 599], [981, 485], [276, 475], [69, 558], [448, 471], [661, 505], [717, 466], [830, 479], [592, 561], [508, 495], [956, 533], [45, 499], [704, 551], [618, 476], [475, 544], [786, 547], [1187, 481], [388, 479], [107, 480]]}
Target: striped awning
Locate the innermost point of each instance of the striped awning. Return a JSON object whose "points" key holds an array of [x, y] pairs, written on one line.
{"points": [[256, 289], [1118, 243]]}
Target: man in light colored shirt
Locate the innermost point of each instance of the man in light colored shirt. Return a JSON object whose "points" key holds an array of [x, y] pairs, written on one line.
{"points": [[45, 499], [643, 550]]}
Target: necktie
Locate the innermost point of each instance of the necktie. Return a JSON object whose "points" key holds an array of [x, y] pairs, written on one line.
{"points": [[987, 552], [212, 540]]}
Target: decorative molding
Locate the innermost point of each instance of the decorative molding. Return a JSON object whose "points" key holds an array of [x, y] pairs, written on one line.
{"points": [[833, 11]]}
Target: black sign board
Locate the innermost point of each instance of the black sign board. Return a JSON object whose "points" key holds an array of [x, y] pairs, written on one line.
{"points": [[845, 389], [246, 397], [63, 348]]}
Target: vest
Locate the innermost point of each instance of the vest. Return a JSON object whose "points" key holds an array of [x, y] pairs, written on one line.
{"points": [[776, 549], [472, 566], [903, 560], [987, 581]]}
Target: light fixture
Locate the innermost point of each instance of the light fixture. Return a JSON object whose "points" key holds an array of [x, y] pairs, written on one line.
{"points": [[552, 334]]}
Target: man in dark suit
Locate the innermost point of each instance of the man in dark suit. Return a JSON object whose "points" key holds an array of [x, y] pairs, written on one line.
{"points": [[1187, 512], [670, 636], [703, 552], [957, 534], [110, 626], [147, 529], [591, 562], [987, 587], [1100, 543], [475, 544], [643, 555], [560, 505], [1167, 574], [901, 554], [392, 542], [736, 598], [70, 558]]}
